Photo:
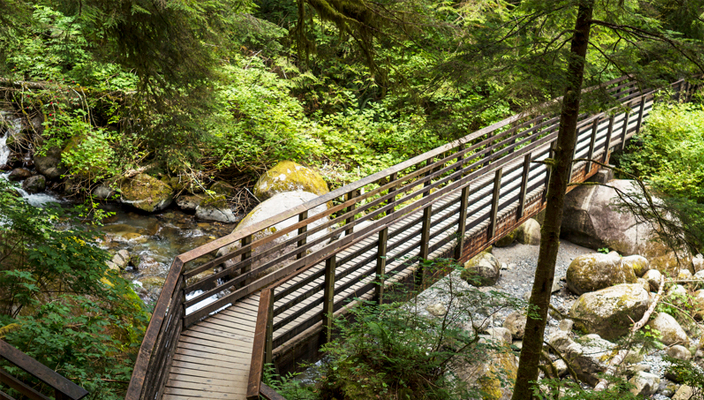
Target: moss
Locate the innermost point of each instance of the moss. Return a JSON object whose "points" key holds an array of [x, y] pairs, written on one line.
{"points": [[146, 193], [287, 176], [217, 201], [223, 188]]}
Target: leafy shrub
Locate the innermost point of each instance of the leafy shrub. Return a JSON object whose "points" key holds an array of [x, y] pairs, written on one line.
{"points": [[61, 303]]}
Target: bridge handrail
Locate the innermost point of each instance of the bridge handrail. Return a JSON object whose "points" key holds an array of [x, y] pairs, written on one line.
{"points": [[171, 314], [63, 388]]}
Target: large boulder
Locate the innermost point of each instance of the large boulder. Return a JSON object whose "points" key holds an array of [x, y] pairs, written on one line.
{"points": [[287, 176], [638, 264], [592, 218], [146, 193], [529, 232], [215, 209], [482, 270], [34, 184], [493, 372], [671, 332], [591, 272], [516, 324], [588, 358], [48, 164], [277, 204], [609, 312], [644, 384], [19, 174]]}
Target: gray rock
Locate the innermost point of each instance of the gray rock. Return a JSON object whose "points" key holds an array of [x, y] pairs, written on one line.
{"points": [[591, 272], [698, 263], [146, 193], [437, 309], [566, 325], [638, 264], [586, 361], [529, 233], [224, 215], [516, 324], [19, 174], [685, 392], [48, 165], [653, 277], [609, 312], [103, 192], [121, 259], [684, 274], [482, 270], [188, 203], [34, 184], [500, 334], [645, 384], [561, 367], [671, 331], [679, 352]]}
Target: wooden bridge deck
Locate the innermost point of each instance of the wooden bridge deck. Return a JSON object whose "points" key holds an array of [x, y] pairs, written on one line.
{"points": [[213, 357]]}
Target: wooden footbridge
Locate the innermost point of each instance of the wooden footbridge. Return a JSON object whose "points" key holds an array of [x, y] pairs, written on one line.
{"points": [[214, 327]]}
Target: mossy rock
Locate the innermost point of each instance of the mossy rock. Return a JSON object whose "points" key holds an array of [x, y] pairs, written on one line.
{"points": [[508, 239], [217, 201], [590, 272], [223, 188], [481, 270], [146, 193], [287, 176], [610, 312]]}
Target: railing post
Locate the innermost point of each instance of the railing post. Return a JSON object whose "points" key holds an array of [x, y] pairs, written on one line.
{"points": [[350, 219], [592, 143], [329, 297], [607, 144], [302, 217], [524, 186], [548, 169], [380, 270], [495, 203], [269, 343], [462, 222], [425, 231], [182, 294], [624, 131], [640, 114]]}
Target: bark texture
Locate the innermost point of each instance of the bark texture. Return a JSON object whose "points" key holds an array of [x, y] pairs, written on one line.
{"points": [[550, 233]]}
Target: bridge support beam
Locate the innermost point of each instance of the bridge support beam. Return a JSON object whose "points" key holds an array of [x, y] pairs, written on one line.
{"points": [[329, 297]]}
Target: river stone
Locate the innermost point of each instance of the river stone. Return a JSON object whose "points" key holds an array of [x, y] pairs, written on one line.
{"points": [[287, 176], [146, 193], [19, 174], [679, 352], [529, 232], [493, 372], [684, 275], [278, 204], [591, 272], [500, 334], [698, 263], [121, 259], [639, 264], [507, 239], [653, 277], [644, 384], [481, 270], [685, 392], [437, 309], [189, 203], [215, 209], [102, 192], [34, 184], [587, 359], [561, 367], [48, 165], [592, 219], [670, 330], [516, 324], [609, 312], [698, 304]]}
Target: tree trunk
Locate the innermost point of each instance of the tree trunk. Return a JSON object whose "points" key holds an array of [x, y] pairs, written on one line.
{"points": [[550, 233]]}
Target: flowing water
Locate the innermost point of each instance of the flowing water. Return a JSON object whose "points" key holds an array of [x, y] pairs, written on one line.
{"points": [[153, 240]]}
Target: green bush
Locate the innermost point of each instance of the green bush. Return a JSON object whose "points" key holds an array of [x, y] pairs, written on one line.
{"points": [[59, 302]]}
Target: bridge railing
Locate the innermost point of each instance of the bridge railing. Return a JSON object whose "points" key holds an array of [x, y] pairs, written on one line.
{"points": [[63, 388], [400, 215]]}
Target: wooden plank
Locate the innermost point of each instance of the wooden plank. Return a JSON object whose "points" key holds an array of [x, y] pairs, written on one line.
{"points": [[41, 372], [232, 343], [215, 372], [207, 386], [195, 343], [199, 394], [380, 270], [212, 358], [5, 396], [270, 394], [302, 217]]}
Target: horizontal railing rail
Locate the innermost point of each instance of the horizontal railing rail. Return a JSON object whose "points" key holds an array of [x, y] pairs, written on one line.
{"points": [[62, 388], [317, 257]]}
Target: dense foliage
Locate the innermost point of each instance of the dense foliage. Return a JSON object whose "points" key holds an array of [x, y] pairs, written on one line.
{"points": [[60, 304]]}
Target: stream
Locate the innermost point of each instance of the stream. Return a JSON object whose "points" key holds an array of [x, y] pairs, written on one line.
{"points": [[152, 240]]}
